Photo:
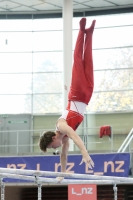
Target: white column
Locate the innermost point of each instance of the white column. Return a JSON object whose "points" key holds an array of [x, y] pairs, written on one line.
{"points": [[67, 51], [67, 48]]}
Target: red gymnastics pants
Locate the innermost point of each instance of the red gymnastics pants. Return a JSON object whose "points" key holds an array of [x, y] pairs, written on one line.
{"points": [[82, 82]]}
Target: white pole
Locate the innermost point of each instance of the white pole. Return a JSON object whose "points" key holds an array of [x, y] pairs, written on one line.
{"points": [[67, 53], [68, 175], [67, 47], [127, 144], [17, 142], [39, 191], [39, 183], [2, 190], [115, 192]]}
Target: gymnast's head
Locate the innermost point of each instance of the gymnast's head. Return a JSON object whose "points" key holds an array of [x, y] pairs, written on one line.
{"points": [[49, 140]]}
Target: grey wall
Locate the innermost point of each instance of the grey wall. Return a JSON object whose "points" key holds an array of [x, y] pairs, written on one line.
{"points": [[121, 124]]}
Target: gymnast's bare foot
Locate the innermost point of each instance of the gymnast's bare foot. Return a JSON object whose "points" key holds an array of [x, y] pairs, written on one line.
{"points": [[82, 24], [91, 28]]}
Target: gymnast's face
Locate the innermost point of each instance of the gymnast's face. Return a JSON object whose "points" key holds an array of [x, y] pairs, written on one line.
{"points": [[55, 143]]}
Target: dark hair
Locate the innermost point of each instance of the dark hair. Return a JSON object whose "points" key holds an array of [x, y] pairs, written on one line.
{"points": [[45, 140]]}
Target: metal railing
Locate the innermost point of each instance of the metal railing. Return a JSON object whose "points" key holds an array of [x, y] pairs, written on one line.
{"points": [[24, 142], [126, 142], [19, 141]]}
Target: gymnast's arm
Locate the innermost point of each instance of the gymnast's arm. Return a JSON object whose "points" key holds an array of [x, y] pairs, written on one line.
{"points": [[67, 130], [63, 156]]}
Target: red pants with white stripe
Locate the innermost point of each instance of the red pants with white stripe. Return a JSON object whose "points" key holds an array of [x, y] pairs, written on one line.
{"points": [[82, 82]]}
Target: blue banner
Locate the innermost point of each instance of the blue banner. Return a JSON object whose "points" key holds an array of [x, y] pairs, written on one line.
{"points": [[105, 164]]}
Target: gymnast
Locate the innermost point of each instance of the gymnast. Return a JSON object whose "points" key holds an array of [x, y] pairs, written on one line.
{"points": [[81, 89]]}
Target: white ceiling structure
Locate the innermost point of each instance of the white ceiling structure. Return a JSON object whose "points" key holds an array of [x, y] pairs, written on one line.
{"points": [[50, 6]]}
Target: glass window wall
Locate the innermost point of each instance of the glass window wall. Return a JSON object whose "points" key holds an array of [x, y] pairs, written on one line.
{"points": [[31, 72]]}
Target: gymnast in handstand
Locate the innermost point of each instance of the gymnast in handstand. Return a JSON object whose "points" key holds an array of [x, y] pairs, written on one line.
{"points": [[80, 93]]}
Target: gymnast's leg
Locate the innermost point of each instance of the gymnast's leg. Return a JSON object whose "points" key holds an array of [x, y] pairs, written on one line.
{"points": [[78, 66], [88, 60]]}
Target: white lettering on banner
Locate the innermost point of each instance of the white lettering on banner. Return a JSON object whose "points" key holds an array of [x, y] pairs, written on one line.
{"points": [[68, 169], [83, 191], [113, 167], [120, 165], [15, 166]]}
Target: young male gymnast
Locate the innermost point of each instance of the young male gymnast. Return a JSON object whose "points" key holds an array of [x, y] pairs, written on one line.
{"points": [[80, 93]]}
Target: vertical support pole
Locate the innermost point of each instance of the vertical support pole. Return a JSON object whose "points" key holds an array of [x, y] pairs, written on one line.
{"points": [[17, 142], [112, 138], [115, 192], [2, 189], [39, 191], [39, 184], [67, 48], [31, 133], [67, 53]]}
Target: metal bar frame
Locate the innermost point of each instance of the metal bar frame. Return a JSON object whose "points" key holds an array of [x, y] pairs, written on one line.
{"points": [[17, 172], [37, 178]]}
